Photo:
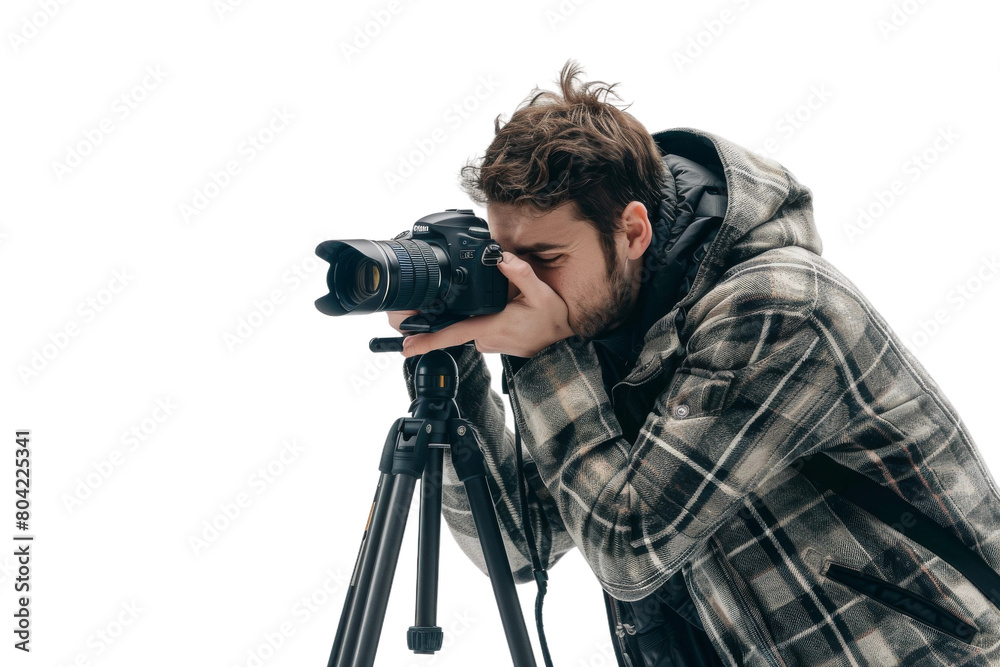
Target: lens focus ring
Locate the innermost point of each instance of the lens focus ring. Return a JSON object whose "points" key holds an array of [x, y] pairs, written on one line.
{"points": [[419, 274]]}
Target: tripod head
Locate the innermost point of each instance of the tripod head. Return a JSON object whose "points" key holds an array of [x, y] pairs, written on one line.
{"points": [[436, 376]]}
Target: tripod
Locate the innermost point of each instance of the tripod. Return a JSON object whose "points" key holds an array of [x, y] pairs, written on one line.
{"points": [[414, 449]]}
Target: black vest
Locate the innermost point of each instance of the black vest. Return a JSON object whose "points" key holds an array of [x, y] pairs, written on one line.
{"points": [[663, 628]]}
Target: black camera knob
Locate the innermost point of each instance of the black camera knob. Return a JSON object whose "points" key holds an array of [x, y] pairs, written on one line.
{"points": [[479, 232], [461, 275]]}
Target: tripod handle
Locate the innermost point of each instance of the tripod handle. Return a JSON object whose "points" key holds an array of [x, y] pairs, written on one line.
{"points": [[391, 344]]}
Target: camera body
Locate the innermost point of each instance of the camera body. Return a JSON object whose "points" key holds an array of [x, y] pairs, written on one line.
{"points": [[470, 282], [445, 266]]}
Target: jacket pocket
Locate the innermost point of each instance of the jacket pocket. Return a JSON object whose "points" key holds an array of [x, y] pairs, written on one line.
{"points": [[697, 393], [903, 601]]}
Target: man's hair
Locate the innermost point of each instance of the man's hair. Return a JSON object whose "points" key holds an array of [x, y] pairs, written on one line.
{"points": [[570, 147]]}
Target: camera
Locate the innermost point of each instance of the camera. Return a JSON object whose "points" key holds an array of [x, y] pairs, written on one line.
{"points": [[445, 267]]}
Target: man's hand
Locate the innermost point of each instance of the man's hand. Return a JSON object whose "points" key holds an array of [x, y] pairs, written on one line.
{"points": [[396, 318], [534, 318]]}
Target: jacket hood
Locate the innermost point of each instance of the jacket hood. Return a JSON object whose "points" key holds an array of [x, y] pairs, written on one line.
{"points": [[767, 208]]}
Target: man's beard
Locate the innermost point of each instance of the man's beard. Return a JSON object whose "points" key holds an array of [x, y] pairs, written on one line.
{"points": [[599, 322]]}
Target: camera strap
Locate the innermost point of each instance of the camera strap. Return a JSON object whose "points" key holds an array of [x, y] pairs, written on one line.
{"points": [[541, 576]]}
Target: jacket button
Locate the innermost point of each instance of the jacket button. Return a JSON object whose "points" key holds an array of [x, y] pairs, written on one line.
{"points": [[812, 558], [682, 411]]}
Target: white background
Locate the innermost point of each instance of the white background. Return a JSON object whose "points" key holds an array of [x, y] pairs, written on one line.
{"points": [[109, 542]]}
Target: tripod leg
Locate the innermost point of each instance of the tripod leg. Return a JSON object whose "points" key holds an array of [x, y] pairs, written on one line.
{"points": [[357, 593], [386, 557], [356, 640], [471, 469], [425, 636]]}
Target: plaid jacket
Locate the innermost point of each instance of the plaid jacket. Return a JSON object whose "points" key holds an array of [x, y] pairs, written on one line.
{"points": [[772, 357]]}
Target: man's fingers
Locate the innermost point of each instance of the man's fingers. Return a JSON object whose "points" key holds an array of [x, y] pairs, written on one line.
{"points": [[456, 334], [512, 291], [520, 274], [396, 317]]}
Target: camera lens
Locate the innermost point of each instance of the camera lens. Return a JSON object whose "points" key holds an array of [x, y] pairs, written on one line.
{"points": [[419, 274], [366, 281], [369, 276]]}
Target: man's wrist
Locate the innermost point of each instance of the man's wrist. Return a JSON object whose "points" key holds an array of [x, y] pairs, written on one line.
{"points": [[544, 355]]}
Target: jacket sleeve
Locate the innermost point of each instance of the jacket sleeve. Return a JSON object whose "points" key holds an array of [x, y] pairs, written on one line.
{"points": [[484, 409], [753, 391]]}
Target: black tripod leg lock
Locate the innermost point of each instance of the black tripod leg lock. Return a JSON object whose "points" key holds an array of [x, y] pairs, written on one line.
{"points": [[466, 455], [405, 451], [385, 463]]}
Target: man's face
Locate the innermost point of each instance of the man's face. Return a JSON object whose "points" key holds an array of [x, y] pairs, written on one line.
{"points": [[566, 254]]}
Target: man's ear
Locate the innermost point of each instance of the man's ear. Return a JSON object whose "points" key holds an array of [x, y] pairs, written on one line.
{"points": [[638, 229]]}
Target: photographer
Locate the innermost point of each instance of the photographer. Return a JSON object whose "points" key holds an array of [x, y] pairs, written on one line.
{"points": [[678, 355]]}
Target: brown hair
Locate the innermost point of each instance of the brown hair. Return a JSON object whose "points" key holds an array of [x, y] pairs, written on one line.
{"points": [[572, 147]]}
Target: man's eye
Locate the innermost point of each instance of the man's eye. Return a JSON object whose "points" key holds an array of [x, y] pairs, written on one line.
{"points": [[547, 260]]}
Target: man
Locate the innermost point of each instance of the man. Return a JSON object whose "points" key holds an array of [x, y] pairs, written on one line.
{"points": [[753, 465]]}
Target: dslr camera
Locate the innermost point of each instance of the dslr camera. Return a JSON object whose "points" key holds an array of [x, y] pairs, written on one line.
{"points": [[445, 267]]}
